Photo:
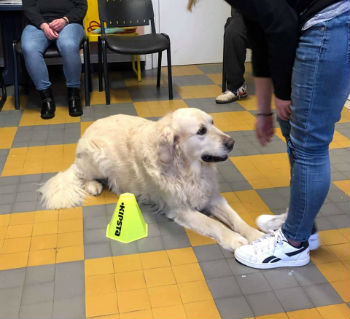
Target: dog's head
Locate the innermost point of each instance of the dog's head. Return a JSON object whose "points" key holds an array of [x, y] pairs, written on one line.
{"points": [[193, 133]]}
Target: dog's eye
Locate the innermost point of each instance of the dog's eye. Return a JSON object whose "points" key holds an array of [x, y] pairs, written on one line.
{"points": [[202, 130]]}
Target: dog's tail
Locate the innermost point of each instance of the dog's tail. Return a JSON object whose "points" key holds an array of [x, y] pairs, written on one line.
{"points": [[64, 190]]}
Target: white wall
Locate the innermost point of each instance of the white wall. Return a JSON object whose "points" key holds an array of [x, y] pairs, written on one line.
{"points": [[197, 36]]}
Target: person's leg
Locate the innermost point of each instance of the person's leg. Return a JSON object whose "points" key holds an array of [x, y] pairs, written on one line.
{"points": [[34, 43], [235, 45], [68, 44], [320, 86]]}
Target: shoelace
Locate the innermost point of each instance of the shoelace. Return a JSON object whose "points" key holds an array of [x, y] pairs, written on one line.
{"points": [[268, 241]]}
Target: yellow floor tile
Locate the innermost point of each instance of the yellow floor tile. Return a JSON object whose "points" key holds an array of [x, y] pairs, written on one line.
{"points": [[344, 186], [106, 197], [332, 237], [158, 108], [304, 314], [131, 280], [194, 291], [15, 245], [46, 228], [99, 266], [215, 77], [11, 261], [264, 171], [172, 312], [69, 226], [334, 271], [345, 116], [46, 216], [342, 288], [70, 213], [155, 259], [127, 263], [133, 82], [181, 70], [197, 239], [133, 300], [199, 91], [116, 96], [250, 103], [7, 135], [188, 273], [339, 141], [70, 239], [84, 126], [345, 233], [19, 231], [68, 254], [164, 296], [202, 310], [5, 219], [342, 251], [340, 311], [181, 256], [234, 121], [32, 117], [21, 218], [159, 277], [142, 314], [100, 305], [10, 103], [323, 255], [114, 316], [44, 242], [42, 257], [100, 285], [281, 315]]}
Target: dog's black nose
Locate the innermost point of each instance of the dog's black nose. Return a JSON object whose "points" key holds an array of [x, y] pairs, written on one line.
{"points": [[228, 143]]}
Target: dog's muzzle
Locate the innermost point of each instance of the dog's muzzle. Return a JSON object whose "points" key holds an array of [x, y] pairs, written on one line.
{"points": [[212, 159]]}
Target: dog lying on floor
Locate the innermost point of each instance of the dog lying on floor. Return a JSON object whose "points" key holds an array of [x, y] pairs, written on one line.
{"points": [[169, 163]]}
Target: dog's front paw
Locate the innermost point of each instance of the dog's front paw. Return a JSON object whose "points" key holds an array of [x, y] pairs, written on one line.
{"points": [[234, 241], [94, 188]]}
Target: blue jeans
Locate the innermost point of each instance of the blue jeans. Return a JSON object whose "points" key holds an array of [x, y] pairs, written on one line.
{"points": [[320, 87], [34, 44]]}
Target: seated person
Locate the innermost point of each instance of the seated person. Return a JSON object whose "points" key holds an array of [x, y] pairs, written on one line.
{"points": [[235, 45], [60, 23]]}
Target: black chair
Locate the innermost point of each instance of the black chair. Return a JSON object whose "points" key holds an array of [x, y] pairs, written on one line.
{"points": [[52, 52], [3, 91], [130, 13]]}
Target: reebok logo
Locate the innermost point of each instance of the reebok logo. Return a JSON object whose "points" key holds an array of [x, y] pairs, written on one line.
{"points": [[118, 228]]}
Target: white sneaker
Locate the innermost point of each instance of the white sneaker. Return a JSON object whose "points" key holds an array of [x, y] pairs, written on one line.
{"points": [[272, 251], [268, 223], [229, 96]]}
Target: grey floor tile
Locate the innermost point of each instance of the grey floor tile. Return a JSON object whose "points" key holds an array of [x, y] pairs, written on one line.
{"points": [[208, 252], [239, 269], [150, 244], [264, 303], [171, 228], [97, 250], [175, 241], [234, 308], [253, 283], [215, 269], [210, 106], [36, 293], [210, 68], [40, 274], [12, 278], [322, 295], [308, 275], [37, 310], [119, 249], [199, 79], [10, 118], [96, 222], [280, 278], [151, 92], [153, 229], [94, 236], [10, 299], [69, 308], [293, 299], [224, 287]]}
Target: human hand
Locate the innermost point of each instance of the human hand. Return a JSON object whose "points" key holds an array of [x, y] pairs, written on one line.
{"points": [[49, 33], [283, 108], [264, 129], [58, 24]]}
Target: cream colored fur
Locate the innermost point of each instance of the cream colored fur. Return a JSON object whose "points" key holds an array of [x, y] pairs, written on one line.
{"points": [[162, 163]]}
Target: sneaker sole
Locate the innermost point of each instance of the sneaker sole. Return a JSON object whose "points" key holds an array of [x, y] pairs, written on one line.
{"points": [[278, 264], [232, 100]]}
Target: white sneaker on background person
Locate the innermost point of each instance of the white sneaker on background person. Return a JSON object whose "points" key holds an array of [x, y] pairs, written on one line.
{"points": [[231, 96], [268, 223], [272, 250]]}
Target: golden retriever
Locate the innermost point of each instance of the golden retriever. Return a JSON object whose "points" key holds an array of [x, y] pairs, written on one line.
{"points": [[169, 162]]}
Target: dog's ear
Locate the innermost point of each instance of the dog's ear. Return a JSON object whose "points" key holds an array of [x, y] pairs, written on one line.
{"points": [[167, 145]]}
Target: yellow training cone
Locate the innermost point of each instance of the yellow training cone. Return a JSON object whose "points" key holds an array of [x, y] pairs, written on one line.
{"points": [[127, 223]]}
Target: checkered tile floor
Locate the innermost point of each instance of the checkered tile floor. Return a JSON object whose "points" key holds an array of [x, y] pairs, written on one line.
{"points": [[59, 264]]}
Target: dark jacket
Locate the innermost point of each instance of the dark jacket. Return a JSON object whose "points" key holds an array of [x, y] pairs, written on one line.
{"points": [[273, 29], [40, 11]]}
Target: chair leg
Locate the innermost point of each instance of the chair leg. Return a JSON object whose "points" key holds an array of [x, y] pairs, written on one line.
{"points": [[159, 68], [89, 66], [138, 61], [170, 81], [223, 84], [105, 72], [86, 74], [99, 52], [15, 70]]}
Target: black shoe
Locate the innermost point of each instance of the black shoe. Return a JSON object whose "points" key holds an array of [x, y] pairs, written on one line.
{"points": [[48, 106], [74, 102]]}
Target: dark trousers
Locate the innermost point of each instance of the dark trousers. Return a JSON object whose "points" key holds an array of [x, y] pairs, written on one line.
{"points": [[235, 45]]}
